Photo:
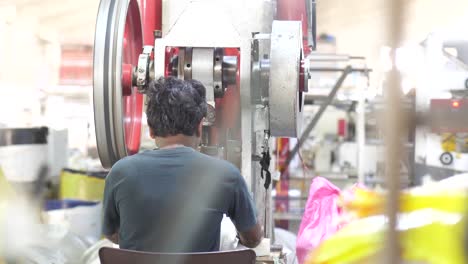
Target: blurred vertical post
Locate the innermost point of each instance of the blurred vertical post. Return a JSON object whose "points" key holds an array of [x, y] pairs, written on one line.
{"points": [[361, 128], [393, 134]]}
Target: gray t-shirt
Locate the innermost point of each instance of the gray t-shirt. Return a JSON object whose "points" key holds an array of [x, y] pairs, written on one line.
{"points": [[173, 200]]}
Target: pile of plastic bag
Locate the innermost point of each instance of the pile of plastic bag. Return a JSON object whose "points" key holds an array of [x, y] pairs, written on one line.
{"points": [[431, 225], [321, 216]]}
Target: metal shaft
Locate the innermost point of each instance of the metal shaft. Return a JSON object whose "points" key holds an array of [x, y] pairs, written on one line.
{"points": [[328, 57], [337, 69], [333, 57], [318, 115], [311, 23]]}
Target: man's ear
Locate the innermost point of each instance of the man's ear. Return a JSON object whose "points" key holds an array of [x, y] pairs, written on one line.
{"points": [[200, 128], [152, 135]]}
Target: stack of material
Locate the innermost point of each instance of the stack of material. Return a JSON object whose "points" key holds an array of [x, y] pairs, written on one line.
{"points": [[432, 211]]}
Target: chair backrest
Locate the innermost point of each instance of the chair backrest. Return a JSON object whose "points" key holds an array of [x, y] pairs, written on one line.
{"points": [[120, 256]]}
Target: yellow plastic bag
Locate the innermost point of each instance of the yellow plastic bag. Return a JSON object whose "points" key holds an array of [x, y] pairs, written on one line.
{"points": [[366, 203], [355, 242], [431, 226], [435, 243], [430, 236]]}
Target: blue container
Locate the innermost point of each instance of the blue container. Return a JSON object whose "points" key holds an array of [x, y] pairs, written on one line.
{"points": [[66, 204]]}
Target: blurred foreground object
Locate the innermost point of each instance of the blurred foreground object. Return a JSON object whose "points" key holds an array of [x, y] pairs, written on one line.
{"points": [[81, 218], [22, 152], [6, 191], [24, 238], [428, 212]]}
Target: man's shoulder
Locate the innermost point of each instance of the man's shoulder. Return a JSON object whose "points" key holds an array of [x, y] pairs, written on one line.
{"points": [[125, 163], [122, 170], [219, 165], [133, 161]]}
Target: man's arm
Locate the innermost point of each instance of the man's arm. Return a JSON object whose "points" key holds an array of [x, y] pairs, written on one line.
{"points": [[251, 237], [111, 217], [114, 237], [243, 215]]}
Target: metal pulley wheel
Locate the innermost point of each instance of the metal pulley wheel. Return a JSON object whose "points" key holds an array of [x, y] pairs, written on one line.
{"points": [[285, 93], [446, 158], [117, 104]]}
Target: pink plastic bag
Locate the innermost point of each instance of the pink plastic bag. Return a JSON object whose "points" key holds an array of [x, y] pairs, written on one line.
{"points": [[321, 217]]}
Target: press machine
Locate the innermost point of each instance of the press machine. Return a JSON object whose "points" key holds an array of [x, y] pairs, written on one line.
{"points": [[249, 54]]}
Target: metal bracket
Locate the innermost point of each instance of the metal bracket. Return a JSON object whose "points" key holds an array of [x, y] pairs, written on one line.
{"points": [[143, 69], [218, 73]]}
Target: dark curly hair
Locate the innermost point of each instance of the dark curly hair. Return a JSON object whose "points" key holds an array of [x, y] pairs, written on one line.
{"points": [[175, 106]]}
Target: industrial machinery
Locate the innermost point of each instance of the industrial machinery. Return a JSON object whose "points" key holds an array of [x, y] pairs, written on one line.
{"points": [[441, 141], [249, 59]]}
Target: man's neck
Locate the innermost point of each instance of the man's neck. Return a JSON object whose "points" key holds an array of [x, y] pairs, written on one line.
{"points": [[177, 140]]}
